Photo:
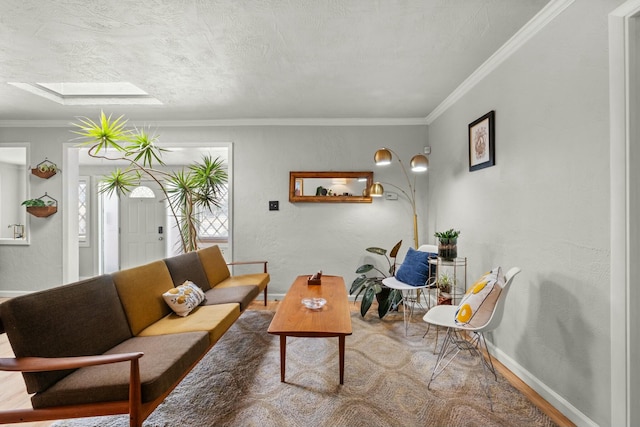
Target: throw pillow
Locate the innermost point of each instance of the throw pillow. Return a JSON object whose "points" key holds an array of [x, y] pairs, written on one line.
{"points": [[477, 305], [414, 270], [184, 298]]}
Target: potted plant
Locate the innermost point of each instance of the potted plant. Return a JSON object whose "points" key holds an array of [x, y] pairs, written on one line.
{"points": [[41, 208], [188, 192], [45, 169], [371, 287], [448, 244], [445, 284]]}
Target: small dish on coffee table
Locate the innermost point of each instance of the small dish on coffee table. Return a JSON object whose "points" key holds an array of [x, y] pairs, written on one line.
{"points": [[314, 303]]}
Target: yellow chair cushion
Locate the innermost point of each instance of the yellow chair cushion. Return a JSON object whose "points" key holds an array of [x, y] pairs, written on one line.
{"points": [[261, 280], [140, 290], [214, 319], [214, 264]]}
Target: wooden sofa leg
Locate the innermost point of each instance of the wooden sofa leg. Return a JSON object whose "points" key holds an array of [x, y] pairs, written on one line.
{"points": [[265, 296], [135, 395]]}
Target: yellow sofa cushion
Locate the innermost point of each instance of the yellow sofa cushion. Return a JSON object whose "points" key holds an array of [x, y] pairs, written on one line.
{"points": [[140, 290], [261, 280], [214, 319], [214, 264]]}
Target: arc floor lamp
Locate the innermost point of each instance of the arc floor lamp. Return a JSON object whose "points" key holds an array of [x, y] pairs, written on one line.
{"points": [[419, 163]]}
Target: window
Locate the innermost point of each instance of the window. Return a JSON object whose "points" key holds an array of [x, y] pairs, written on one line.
{"points": [[214, 225], [83, 210]]}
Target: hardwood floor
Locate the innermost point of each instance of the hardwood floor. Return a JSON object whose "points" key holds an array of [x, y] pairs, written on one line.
{"points": [[14, 395]]}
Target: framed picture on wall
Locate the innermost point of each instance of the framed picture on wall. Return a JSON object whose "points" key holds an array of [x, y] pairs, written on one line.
{"points": [[482, 142]]}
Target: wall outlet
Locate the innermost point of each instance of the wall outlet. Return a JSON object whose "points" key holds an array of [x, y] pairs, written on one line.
{"points": [[427, 150], [274, 205]]}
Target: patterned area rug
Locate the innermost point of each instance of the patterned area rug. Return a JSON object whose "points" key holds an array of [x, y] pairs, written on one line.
{"points": [[386, 375]]}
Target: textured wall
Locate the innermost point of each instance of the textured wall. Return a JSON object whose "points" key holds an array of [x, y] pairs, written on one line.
{"points": [[298, 239], [39, 265], [544, 206]]}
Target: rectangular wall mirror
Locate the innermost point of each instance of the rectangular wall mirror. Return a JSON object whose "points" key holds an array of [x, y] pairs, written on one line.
{"points": [[330, 187], [14, 189]]}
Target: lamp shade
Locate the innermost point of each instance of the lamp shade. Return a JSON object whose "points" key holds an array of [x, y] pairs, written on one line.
{"points": [[419, 163], [382, 157], [376, 190]]}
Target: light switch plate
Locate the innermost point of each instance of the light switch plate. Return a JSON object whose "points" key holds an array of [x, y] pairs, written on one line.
{"points": [[274, 205]]}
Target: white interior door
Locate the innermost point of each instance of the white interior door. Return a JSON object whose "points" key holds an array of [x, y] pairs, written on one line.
{"points": [[142, 229]]}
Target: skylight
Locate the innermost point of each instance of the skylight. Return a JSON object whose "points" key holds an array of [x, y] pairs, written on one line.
{"points": [[90, 93]]}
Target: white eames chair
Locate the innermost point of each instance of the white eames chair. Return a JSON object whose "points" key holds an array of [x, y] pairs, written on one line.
{"points": [[410, 296], [454, 341]]}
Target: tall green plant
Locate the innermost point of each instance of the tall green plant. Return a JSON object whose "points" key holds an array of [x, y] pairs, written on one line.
{"points": [[371, 287], [187, 192]]}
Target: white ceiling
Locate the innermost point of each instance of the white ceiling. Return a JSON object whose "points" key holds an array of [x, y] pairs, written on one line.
{"points": [[260, 59]]}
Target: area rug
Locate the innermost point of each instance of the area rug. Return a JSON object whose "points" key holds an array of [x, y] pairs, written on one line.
{"points": [[238, 383]]}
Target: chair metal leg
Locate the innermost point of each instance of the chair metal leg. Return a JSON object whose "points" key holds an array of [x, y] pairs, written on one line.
{"points": [[408, 303], [452, 344], [435, 345], [448, 352]]}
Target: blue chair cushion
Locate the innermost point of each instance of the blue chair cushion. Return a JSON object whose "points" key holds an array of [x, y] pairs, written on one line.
{"points": [[414, 270]]}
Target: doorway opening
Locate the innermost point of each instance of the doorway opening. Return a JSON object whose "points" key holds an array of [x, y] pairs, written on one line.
{"points": [[124, 232]]}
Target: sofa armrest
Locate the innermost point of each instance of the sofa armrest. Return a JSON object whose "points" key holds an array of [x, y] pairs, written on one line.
{"points": [[249, 262], [37, 364], [40, 364]]}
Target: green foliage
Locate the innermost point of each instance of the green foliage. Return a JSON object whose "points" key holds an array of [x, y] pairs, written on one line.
{"points": [[199, 187], [447, 235], [369, 287], [37, 202]]}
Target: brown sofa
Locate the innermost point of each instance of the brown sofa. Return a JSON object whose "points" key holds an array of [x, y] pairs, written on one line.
{"points": [[71, 342]]}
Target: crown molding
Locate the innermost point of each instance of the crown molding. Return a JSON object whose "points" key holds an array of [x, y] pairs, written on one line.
{"points": [[531, 28], [407, 121]]}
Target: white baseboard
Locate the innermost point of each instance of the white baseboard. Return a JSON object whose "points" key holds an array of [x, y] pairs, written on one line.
{"points": [[557, 401]]}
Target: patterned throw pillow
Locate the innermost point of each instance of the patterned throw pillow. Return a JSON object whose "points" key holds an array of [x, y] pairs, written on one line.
{"points": [[414, 270], [476, 306], [184, 298]]}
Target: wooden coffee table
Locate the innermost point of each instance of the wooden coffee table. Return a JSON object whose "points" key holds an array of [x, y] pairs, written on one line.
{"points": [[292, 319]]}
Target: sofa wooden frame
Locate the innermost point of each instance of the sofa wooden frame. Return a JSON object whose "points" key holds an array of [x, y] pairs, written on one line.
{"points": [[138, 411], [264, 270]]}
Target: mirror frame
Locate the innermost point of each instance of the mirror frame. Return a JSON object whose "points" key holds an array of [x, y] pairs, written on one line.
{"points": [[293, 176], [27, 220]]}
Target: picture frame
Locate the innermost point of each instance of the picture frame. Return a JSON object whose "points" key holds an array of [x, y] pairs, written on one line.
{"points": [[482, 142]]}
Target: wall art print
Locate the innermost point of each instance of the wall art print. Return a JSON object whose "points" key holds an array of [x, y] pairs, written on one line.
{"points": [[482, 142]]}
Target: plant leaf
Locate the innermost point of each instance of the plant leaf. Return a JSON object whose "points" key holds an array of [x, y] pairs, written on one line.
{"points": [[119, 182], [378, 251], [356, 284], [367, 300], [396, 248], [143, 146], [364, 268], [383, 306]]}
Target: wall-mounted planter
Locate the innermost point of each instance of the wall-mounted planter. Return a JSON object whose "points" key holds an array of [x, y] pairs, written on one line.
{"points": [[45, 169], [40, 207], [42, 211]]}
